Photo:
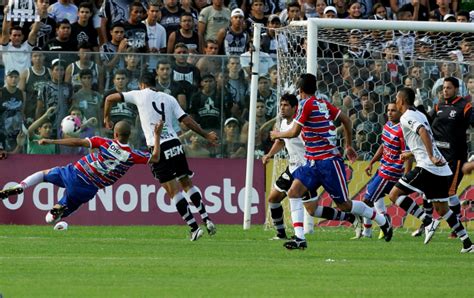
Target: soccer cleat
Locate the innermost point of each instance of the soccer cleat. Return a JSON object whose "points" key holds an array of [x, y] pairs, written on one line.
{"points": [[419, 231], [430, 230], [296, 243], [10, 192], [468, 250], [55, 214], [387, 228], [211, 227], [196, 234], [381, 235], [357, 224]]}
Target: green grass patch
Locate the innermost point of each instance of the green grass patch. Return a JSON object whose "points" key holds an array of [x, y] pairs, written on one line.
{"points": [[152, 261]]}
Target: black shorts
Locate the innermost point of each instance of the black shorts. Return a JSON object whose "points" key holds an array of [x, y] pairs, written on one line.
{"points": [[455, 179], [435, 188], [283, 184], [172, 164]]}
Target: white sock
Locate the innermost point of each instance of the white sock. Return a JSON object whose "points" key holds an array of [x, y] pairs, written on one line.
{"points": [[297, 216], [380, 206], [33, 179], [360, 208], [308, 222]]}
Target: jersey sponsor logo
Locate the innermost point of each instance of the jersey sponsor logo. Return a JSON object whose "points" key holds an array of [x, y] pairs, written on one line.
{"points": [[452, 114], [177, 150]]}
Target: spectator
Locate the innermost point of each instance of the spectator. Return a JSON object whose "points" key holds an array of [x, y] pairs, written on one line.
{"points": [[165, 83], [47, 24], [62, 42], [87, 99], [55, 93], [135, 30], [237, 86], [16, 52], [269, 42], [355, 10], [273, 75], [233, 40], [112, 12], [11, 110], [448, 69], [232, 146], [85, 62], [31, 81], [257, 15], [379, 12], [314, 9], [291, 13], [63, 9], [231, 109], [187, 6], [133, 68], [156, 33], [442, 10], [170, 16], [83, 30], [205, 105], [367, 113], [462, 16], [266, 94], [186, 35], [182, 70], [121, 110], [111, 53], [212, 19], [341, 9], [209, 63], [41, 129]]}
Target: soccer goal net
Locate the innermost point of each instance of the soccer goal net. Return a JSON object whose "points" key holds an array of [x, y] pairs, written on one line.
{"points": [[360, 65]]}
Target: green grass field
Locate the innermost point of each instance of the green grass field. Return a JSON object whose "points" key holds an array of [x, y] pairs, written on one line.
{"points": [[159, 261]]}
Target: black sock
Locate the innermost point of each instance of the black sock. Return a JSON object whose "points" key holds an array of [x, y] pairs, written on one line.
{"points": [[456, 209], [276, 211], [412, 208], [183, 209], [457, 227], [196, 199], [428, 208]]}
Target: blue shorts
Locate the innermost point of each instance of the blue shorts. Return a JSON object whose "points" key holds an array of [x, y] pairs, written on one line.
{"points": [[377, 188], [328, 173], [77, 190]]}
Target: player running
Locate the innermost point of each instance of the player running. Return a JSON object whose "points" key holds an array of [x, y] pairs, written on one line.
{"points": [[172, 171], [324, 166], [92, 172], [296, 152], [430, 176], [391, 168]]}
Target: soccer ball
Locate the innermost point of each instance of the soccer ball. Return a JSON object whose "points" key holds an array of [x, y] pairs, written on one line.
{"points": [[71, 125]]}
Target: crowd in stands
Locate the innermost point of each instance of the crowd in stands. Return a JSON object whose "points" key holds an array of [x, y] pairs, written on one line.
{"points": [[78, 52]]}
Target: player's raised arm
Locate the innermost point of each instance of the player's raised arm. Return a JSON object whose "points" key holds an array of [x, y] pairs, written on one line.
{"points": [[155, 155], [73, 142], [194, 126], [109, 102]]}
